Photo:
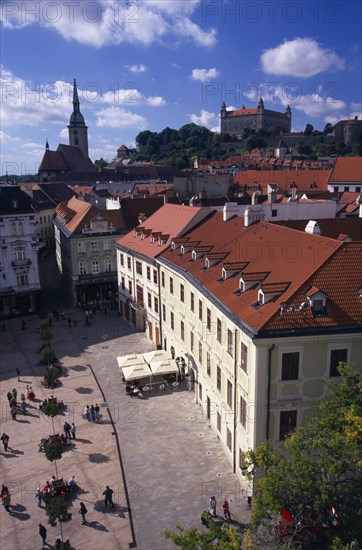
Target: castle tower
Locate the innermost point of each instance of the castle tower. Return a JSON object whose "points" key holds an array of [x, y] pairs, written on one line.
{"points": [[260, 105], [223, 110], [78, 131], [288, 111]]}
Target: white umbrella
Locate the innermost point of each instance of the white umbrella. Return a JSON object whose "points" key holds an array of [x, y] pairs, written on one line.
{"points": [[130, 360], [136, 372], [156, 356], [164, 367]]}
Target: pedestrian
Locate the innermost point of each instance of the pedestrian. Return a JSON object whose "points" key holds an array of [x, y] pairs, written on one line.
{"points": [[5, 441], [13, 412], [43, 533], [31, 394], [23, 407], [18, 372], [9, 395], [73, 430], [93, 413], [83, 511], [4, 490], [97, 412], [22, 397], [108, 498], [212, 506], [15, 393], [38, 497], [87, 413], [23, 326], [6, 501], [66, 429], [75, 323]]}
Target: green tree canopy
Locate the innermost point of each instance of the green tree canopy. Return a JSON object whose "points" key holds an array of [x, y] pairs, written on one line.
{"points": [[319, 468], [215, 537]]}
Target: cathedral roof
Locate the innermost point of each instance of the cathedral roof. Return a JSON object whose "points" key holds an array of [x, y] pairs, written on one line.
{"points": [[53, 161]]}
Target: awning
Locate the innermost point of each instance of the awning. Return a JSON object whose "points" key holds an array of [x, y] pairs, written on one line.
{"points": [[164, 367], [156, 356], [136, 372], [130, 360]]}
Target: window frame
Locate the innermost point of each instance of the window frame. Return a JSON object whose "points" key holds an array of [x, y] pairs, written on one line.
{"points": [[294, 414], [287, 372], [218, 378], [336, 347]]}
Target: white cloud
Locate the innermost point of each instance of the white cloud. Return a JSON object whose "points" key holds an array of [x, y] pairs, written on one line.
{"points": [[64, 133], [204, 75], [101, 22], [155, 101], [136, 68], [356, 111], [175, 66], [6, 138], [207, 119], [116, 117], [301, 57]]}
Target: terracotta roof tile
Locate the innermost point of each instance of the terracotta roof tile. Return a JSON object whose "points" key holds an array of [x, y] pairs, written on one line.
{"points": [[347, 170], [302, 178]]}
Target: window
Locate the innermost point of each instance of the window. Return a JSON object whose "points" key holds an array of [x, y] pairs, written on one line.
{"points": [[242, 412], [218, 378], [192, 305], [229, 394], [130, 288], [218, 422], [200, 392], [182, 293], [95, 266], [163, 312], [192, 341], [108, 264], [200, 310], [208, 319], [337, 356], [182, 328], [172, 321], [200, 353], [20, 229], [241, 459], [19, 253], [171, 285], [155, 276], [208, 364], [148, 273], [138, 267], [22, 279], [288, 422], [290, 365], [218, 330], [139, 295], [358, 189], [149, 300], [129, 262], [94, 246], [121, 256], [123, 283], [163, 279], [230, 343], [13, 229], [107, 245], [244, 357], [274, 212], [155, 304], [317, 307], [228, 438]]}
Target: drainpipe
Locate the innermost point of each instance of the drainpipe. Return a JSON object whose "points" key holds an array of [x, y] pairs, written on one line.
{"points": [[235, 404], [268, 394]]}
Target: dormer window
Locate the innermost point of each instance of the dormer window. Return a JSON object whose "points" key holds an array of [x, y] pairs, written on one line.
{"points": [[15, 203], [317, 300]]}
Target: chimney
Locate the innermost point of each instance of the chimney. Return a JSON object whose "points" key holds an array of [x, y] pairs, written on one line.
{"points": [[253, 214], [313, 228], [271, 196], [254, 199], [230, 209]]}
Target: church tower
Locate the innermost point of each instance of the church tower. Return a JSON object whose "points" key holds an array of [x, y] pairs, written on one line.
{"points": [[78, 131]]}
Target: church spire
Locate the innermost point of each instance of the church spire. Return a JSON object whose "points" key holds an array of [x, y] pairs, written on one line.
{"points": [[75, 96], [78, 131], [47, 145]]}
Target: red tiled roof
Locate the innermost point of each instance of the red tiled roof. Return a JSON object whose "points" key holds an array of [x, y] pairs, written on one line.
{"points": [[239, 112], [347, 170], [330, 228], [82, 213], [171, 220], [292, 253], [53, 161], [302, 178]]}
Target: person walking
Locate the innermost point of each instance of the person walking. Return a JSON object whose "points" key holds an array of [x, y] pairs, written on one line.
{"points": [[73, 430], [66, 429], [87, 413], [5, 440], [6, 499], [83, 511], [93, 413], [212, 506], [38, 497], [18, 372], [97, 412], [108, 498], [43, 534], [23, 326], [15, 393], [23, 407], [13, 412]]}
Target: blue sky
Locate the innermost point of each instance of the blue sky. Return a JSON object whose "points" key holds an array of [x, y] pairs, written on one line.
{"points": [[148, 64]]}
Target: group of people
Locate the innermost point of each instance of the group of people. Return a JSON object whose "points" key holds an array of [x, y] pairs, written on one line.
{"points": [[55, 487], [211, 511], [13, 400], [108, 503], [92, 413], [133, 390]]}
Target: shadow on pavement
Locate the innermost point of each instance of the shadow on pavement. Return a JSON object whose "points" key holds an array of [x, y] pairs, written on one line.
{"points": [[84, 390], [98, 458], [98, 526]]}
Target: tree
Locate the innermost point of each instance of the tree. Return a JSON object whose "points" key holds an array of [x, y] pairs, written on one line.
{"points": [[44, 331], [48, 355], [215, 538], [57, 510], [318, 469], [308, 130], [100, 163], [328, 129]]}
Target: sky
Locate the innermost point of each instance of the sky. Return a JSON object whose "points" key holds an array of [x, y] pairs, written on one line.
{"points": [[148, 64]]}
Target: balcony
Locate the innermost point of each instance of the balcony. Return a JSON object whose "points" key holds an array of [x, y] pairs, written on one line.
{"points": [[21, 263]]}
